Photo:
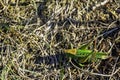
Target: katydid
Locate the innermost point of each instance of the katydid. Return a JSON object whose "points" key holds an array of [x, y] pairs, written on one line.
{"points": [[83, 55]]}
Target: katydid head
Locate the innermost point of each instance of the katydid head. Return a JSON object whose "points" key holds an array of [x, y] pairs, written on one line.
{"points": [[70, 51]]}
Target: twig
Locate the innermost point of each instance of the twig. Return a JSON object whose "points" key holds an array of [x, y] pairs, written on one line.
{"points": [[114, 67], [91, 73], [100, 4], [116, 71]]}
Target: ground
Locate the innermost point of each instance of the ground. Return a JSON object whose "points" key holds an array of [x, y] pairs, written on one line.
{"points": [[33, 34]]}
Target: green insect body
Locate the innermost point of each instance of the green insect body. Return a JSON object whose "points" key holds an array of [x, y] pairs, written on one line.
{"points": [[83, 55]]}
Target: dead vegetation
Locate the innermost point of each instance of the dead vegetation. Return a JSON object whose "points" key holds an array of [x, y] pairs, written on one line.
{"points": [[31, 45]]}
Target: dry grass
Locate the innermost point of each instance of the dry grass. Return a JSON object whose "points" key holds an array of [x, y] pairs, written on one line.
{"points": [[31, 45]]}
